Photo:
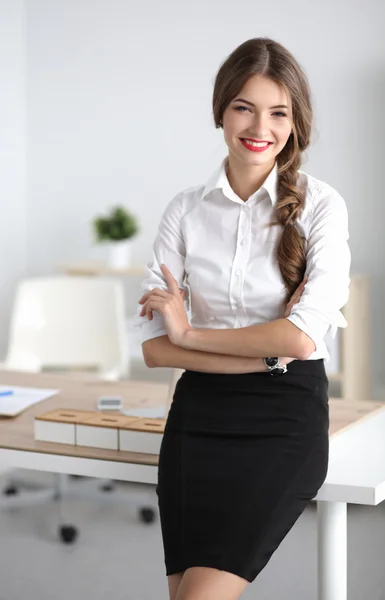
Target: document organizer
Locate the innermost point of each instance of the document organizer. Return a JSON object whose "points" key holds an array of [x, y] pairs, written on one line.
{"points": [[93, 429]]}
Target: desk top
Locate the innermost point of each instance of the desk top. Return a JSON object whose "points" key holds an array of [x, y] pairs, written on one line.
{"points": [[17, 433], [81, 392]]}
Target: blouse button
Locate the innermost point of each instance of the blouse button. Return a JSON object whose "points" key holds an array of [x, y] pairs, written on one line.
{"points": [[238, 272], [243, 243]]}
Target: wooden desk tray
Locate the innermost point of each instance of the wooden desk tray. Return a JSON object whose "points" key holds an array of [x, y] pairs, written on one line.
{"points": [[100, 430]]}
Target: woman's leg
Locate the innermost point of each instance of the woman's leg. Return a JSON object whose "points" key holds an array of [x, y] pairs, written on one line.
{"points": [[173, 584], [205, 583]]}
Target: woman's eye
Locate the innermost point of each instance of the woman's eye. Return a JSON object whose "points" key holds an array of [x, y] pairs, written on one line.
{"points": [[240, 109]]}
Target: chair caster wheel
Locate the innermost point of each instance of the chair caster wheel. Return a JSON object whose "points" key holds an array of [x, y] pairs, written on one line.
{"points": [[108, 487], [147, 515], [11, 490], [68, 534]]}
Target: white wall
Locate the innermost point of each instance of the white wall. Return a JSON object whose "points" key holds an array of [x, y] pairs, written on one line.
{"points": [[104, 75], [12, 157]]}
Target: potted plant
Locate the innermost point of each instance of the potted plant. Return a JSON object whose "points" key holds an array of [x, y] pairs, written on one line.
{"points": [[117, 228]]}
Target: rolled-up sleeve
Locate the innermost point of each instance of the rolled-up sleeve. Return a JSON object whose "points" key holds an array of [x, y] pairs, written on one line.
{"points": [[169, 249], [328, 269]]}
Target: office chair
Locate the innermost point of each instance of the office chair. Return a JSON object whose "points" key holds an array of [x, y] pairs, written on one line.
{"points": [[59, 323], [69, 322]]}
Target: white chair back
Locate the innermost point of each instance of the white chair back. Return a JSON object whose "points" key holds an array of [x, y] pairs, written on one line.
{"points": [[66, 322]]}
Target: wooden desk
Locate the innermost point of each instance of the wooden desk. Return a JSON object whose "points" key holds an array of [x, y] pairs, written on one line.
{"points": [[356, 466], [17, 435]]}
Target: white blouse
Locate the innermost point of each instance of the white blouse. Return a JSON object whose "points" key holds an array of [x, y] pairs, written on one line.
{"points": [[220, 251]]}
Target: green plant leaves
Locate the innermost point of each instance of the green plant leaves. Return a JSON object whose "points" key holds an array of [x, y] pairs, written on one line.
{"points": [[119, 224]]}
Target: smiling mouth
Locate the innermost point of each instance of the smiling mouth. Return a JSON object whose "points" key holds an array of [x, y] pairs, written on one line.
{"points": [[259, 143], [255, 146]]}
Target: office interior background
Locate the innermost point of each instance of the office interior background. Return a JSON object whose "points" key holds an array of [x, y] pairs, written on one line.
{"points": [[109, 102]]}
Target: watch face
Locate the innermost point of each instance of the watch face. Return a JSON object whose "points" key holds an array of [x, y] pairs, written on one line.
{"points": [[271, 361]]}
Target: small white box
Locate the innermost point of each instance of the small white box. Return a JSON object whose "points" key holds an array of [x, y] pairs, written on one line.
{"points": [[101, 431], [143, 436], [96, 437], [49, 431], [59, 425]]}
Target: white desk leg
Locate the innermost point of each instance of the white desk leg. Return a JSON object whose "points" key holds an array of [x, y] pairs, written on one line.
{"points": [[332, 550]]}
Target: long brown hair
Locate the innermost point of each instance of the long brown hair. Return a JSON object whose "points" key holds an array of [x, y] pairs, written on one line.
{"points": [[266, 57]]}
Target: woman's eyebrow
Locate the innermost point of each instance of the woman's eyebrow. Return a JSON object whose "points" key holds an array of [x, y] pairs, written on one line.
{"points": [[251, 104]]}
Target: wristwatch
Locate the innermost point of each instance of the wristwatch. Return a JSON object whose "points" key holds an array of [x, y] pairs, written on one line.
{"points": [[272, 362]]}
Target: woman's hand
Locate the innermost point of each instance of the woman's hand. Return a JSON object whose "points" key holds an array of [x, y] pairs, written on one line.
{"points": [[148, 311], [296, 296], [171, 305]]}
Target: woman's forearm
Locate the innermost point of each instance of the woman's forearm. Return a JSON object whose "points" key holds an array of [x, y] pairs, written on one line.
{"points": [[163, 353], [273, 338], [160, 352]]}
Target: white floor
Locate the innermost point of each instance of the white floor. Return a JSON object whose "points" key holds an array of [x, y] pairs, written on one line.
{"points": [[116, 557]]}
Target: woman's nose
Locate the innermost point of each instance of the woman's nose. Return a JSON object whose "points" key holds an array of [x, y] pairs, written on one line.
{"points": [[260, 126]]}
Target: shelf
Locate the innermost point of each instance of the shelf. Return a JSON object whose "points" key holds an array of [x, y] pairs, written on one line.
{"points": [[99, 268]]}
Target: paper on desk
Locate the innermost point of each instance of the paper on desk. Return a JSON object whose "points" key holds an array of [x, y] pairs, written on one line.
{"points": [[22, 398], [155, 412]]}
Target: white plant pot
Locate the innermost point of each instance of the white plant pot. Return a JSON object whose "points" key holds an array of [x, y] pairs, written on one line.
{"points": [[119, 254]]}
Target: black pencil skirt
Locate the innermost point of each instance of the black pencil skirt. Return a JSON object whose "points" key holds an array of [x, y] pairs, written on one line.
{"points": [[241, 457]]}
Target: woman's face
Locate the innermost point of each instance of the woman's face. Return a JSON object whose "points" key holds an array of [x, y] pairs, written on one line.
{"points": [[265, 117]]}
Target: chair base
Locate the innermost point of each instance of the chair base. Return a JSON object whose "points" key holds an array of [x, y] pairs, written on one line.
{"points": [[18, 494]]}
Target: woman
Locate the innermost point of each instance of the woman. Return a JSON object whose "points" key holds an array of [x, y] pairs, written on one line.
{"points": [[263, 247]]}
